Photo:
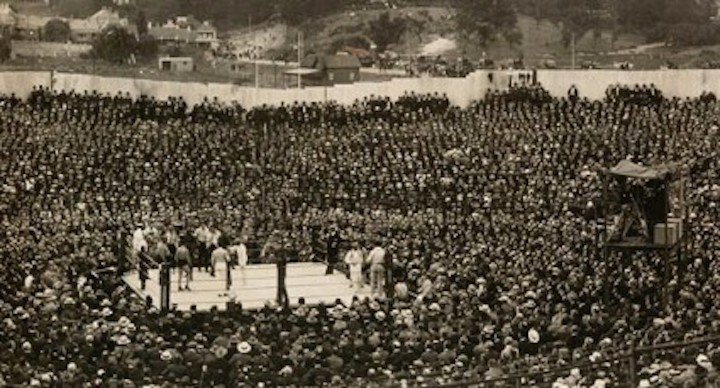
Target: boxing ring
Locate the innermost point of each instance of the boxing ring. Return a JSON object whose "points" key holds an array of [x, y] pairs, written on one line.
{"points": [[252, 287]]}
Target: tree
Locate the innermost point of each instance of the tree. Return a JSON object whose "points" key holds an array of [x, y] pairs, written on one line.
{"points": [[56, 30], [136, 17], [5, 48], [147, 47], [114, 44], [486, 19], [641, 15], [385, 31]]}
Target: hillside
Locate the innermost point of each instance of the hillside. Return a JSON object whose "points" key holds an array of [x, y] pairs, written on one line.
{"points": [[426, 25], [427, 28]]}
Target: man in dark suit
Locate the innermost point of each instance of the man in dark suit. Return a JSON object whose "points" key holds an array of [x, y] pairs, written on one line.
{"points": [[165, 285], [282, 295], [333, 247], [274, 252]]}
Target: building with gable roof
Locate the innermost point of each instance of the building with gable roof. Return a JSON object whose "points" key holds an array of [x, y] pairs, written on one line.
{"points": [[185, 30], [86, 30], [341, 68], [30, 27]]}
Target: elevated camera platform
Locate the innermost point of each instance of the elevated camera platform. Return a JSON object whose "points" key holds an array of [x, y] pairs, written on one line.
{"points": [[640, 244]]}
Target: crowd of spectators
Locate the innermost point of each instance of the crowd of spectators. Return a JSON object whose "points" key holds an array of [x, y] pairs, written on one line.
{"points": [[496, 272], [435, 66], [640, 94]]}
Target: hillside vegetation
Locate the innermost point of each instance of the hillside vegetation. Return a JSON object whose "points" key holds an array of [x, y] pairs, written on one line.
{"points": [[533, 29]]}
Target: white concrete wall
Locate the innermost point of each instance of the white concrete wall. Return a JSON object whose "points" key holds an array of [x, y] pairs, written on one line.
{"points": [[461, 91], [593, 83], [22, 82]]}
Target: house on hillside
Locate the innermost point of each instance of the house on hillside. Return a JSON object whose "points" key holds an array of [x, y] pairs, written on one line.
{"points": [[340, 68], [86, 30], [30, 27], [8, 16], [366, 57], [20, 25], [185, 30]]}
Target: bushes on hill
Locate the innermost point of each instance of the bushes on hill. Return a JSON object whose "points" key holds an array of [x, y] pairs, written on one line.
{"points": [[385, 30], [56, 30], [5, 48], [115, 44], [486, 19]]}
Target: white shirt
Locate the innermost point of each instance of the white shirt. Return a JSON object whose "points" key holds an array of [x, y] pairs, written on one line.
{"points": [[220, 254], [241, 252], [354, 258], [213, 237], [138, 240], [377, 256], [202, 234], [172, 238]]}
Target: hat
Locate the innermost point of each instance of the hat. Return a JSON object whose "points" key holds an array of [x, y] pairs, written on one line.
{"points": [[122, 340], [703, 361], [244, 347], [220, 351], [533, 336], [166, 355]]}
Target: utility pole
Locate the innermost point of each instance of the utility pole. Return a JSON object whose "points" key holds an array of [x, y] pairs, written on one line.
{"points": [[573, 50], [255, 60], [300, 53], [257, 75]]}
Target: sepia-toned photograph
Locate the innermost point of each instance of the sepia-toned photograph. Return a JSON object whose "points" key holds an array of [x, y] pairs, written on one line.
{"points": [[360, 193]]}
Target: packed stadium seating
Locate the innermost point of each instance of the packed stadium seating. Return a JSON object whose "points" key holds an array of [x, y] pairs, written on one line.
{"points": [[497, 271]]}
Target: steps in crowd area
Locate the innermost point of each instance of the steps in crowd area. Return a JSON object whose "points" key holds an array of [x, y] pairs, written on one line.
{"points": [[253, 286]]}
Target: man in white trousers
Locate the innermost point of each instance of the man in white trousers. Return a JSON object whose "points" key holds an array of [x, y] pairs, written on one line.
{"points": [[239, 251], [354, 260], [219, 255], [376, 258]]}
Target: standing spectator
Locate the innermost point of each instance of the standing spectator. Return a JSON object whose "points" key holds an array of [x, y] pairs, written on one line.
{"points": [[139, 242], [239, 251], [184, 263], [220, 255], [376, 257], [354, 260], [332, 249], [173, 239], [164, 285], [203, 238], [161, 253]]}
